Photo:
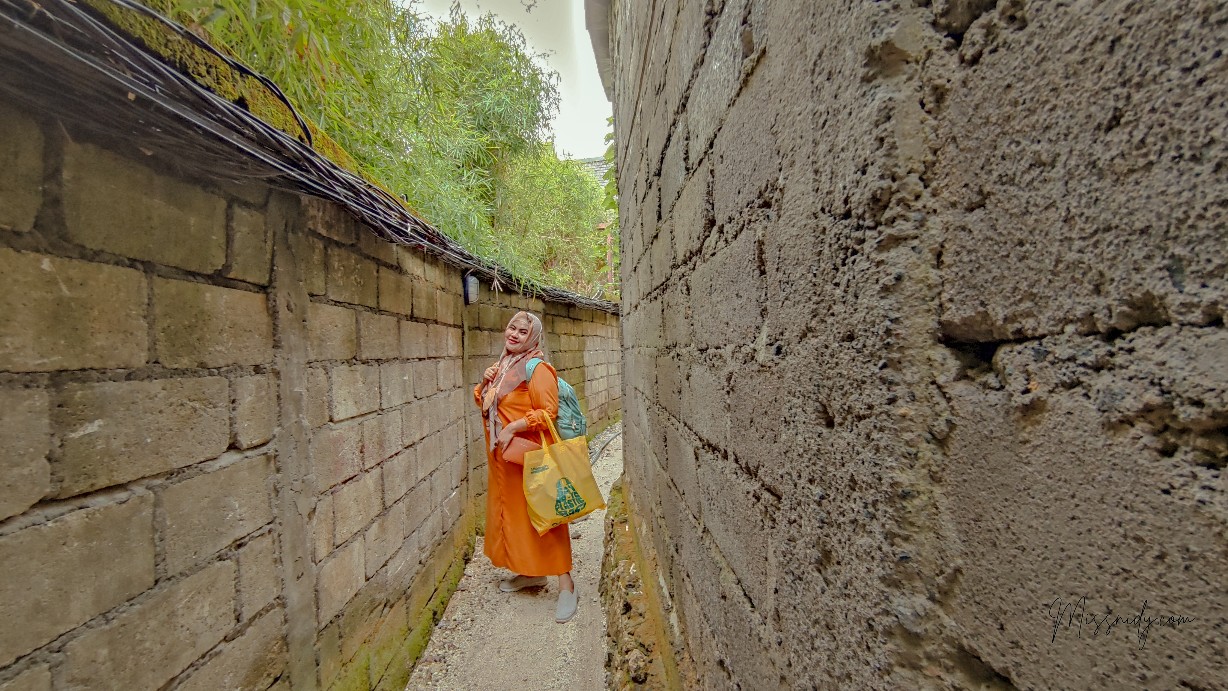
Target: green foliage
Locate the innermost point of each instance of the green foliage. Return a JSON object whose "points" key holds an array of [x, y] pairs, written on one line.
{"points": [[610, 203], [443, 114], [552, 211]]}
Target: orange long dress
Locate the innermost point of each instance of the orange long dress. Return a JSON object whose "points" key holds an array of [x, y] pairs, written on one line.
{"points": [[511, 540]]}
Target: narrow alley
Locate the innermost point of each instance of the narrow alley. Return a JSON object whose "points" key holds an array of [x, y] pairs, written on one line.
{"points": [[915, 374], [487, 639]]}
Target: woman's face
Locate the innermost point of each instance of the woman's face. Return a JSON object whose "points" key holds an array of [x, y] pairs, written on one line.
{"points": [[516, 335]]}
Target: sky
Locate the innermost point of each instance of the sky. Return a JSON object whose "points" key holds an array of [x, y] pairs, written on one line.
{"points": [[555, 28]]}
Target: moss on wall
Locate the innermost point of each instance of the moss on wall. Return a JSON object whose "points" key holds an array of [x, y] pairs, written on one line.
{"points": [[420, 636], [641, 653], [386, 663], [215, 74]]}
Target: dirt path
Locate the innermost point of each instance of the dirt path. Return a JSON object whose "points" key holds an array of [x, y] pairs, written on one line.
{"points": [[490, 641]]}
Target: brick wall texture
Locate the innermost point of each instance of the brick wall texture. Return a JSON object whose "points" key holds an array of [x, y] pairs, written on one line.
{"points": [[239, 444], [923, 311]]}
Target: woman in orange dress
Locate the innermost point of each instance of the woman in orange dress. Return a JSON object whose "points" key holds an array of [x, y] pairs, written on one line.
{"points": [[516, 411]]}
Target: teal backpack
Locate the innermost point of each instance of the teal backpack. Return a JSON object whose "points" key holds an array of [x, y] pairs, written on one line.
{"points": [[571, 421]]}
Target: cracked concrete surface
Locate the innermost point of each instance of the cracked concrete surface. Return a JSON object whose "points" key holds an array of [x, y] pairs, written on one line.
{"points": [[923, 325]]}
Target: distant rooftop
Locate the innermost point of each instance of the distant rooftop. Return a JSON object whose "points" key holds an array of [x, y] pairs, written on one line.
{"points": [[597, 166]]}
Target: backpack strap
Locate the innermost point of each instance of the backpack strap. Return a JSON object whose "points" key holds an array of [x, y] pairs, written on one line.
{"points": [[532, 365]]}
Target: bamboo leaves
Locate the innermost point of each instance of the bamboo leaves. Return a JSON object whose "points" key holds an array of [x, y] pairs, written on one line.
{"points": [[453, 116]]}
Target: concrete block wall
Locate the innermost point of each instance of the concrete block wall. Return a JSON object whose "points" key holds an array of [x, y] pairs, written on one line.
{"points": [[923, 330], [235, 427], [384, 441]]}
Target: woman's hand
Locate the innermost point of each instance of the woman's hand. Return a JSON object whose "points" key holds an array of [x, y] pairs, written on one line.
{"points": [[505, 438], [506, 434], [490, 373]]}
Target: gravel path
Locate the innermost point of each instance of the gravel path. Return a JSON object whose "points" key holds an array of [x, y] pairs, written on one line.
{"points": [[490, 641]]}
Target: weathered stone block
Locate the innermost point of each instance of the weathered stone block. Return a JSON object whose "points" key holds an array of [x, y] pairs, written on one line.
{"points": [[63, 314], [358, 625], [491, 318], [426, 305], [438, 339], [331, 220], [400, 474], [736, 513], [414, 422], [431, 529], [390, 668], [243, 190], [725, 318], [355, 504], [704, 405], [449, 374], [378, 337], [453, 503], [430, 455], [251, 247], [479, 344], [439, 413], [412, 263], [355, 390], [336, 454], [396, 382], [352, 278], [375, 246], [405, 565], [328, 643], [660, 256], [308, 252], [331, 332], [673, 169], [448, 306], [418, 501], [51, 582], [473, 370], [25, 436], [208, 512], [251, 661], [385, 536], [148, 215], [322, 528], [396, 292], [692, 218], [426, 378], [21, 160], [340, 577], [200, 325], [147, 645], [113, 432], [255, 412], [415, 339], [381, 438], [317, 396], [33, 679], [259, 578]]}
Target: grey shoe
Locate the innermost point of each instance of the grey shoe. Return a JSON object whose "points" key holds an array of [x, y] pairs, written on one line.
{"points": [[521, 582], [569, 602]]}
